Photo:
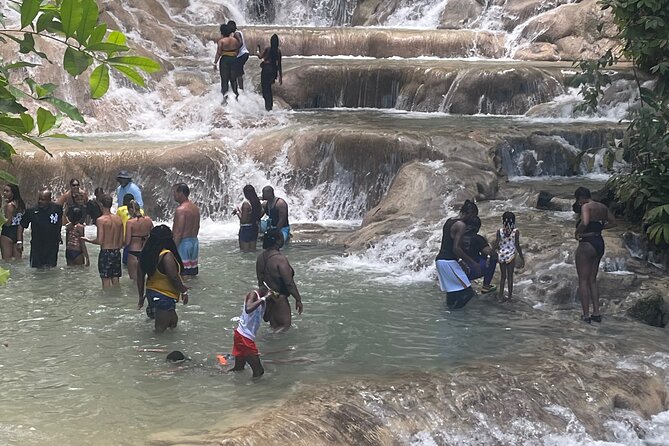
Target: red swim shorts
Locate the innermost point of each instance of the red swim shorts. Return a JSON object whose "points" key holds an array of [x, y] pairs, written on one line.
{"points": [[243, 346]]}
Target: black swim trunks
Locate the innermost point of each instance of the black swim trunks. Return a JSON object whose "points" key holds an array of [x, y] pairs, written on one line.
{"points": [[458, 299], [109, 263]]}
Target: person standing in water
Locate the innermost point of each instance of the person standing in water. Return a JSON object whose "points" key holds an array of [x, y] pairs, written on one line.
{"points": [[67, 199], [110, 239], [75, 248], [244, 348], [93, 208], [127, 186], [137, 230], [452, 258], [46, 221], [242, 54], [508, 248], [595, 217], [277, 210], [270, 70], [11, 246], [249, 213], [160, 261], [276, 276], [185, 229], [226, 51]]}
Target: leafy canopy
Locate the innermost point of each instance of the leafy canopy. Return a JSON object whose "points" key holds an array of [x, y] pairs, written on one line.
{"points": [[74, 24]]}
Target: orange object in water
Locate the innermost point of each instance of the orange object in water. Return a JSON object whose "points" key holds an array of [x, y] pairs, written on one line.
{"points": [[222, 360]]}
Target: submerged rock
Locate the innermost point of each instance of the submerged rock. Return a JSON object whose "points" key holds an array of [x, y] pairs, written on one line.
{"points": [[651, 310]]}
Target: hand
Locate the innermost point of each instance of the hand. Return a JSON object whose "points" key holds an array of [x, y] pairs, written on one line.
{"points": [[521, 262], [85, 239], [184, 297], [19, 246], [140, 304], [215, 66], [280, 81], [298, 305]]}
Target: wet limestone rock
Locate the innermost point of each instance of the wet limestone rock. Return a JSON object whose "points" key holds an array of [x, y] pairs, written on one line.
{"points": [[652, 310], [540, 51], [459, 13]]}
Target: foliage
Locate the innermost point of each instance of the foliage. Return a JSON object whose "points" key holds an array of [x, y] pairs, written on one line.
{"points": [[643, 189], [76, 26]]}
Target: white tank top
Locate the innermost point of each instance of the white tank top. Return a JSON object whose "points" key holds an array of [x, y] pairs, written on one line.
{"points": [[250, 322], [242, 49]]}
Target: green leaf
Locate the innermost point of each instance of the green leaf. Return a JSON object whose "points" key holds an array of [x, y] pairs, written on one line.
{"points": [[130, 73], [143, 63], [16, 65], [99, 81], [116, 37], [29, 10], [44, 90], [107, 47], [45, 120], [68, 109], [11, 106], [8, 177], [75, 62], [71, 12], [6, 151], [28, 122], [97, 34], [89, 19], [27, 45], [64, 136], [46, 22], [12, 126]]}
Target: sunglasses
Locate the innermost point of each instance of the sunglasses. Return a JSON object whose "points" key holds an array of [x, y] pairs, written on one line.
{"points": [[75, 185]]}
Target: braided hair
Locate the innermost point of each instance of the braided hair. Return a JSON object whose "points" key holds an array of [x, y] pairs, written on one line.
{"points": [[509, 222], [160, 238]]}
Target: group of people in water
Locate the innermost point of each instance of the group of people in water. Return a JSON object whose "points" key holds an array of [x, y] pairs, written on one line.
{"points": [[158, 259], [231, 56], [465, 255]]}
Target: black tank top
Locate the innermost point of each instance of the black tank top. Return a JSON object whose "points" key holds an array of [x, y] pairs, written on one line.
{"points": [[446, 251]]}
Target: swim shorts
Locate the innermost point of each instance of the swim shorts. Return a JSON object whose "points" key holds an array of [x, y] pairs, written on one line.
{"points": [[243, 346], [248, 233], [189, 250], [109, 263], [159, 301], [239, 64]]}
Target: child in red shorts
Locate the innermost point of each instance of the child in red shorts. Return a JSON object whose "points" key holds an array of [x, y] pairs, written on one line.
{"points": [[244, 348]]}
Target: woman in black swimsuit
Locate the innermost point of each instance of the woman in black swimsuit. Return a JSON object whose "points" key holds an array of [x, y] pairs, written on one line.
{"points": [[11, 246], [276, 275], [594, 218], [137, 230]]}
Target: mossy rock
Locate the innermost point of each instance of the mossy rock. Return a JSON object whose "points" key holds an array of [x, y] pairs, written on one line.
{"points": [[650, 310]]}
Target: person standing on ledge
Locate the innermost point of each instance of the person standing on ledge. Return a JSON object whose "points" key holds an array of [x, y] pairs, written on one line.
{"points": [[249, 213], [127, 186], [270, 70], [110, 238], [277, 210], [226, 52], [185, 229], [242, 55], [46, 220], [594, 218], [452, 258]]}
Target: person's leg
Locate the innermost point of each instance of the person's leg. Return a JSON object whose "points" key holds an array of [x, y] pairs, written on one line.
{"points": [[224, 76], [594, 290], [132, 266], [509, 274], [161, 320], [584, 260], [281, 317], [502, 281], [488, 271], [256, 366], [79, 260], [6, 247], [266, 87], [233, 81], [240, 362]]}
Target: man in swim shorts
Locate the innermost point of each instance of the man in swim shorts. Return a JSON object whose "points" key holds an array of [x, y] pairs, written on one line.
{"points": [[242, 54], [111, 240], [186, 228], [46, 221], [277, 210], [452, 260]]}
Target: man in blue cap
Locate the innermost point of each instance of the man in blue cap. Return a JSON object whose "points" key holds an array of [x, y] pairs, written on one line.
{"points": [[126, 186]]}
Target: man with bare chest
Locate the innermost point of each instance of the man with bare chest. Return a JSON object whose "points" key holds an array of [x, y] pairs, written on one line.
{"points": [[186, 228], [111, 240]]}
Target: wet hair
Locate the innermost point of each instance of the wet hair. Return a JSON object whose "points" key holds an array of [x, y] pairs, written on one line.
{"points": [[256, 207], [176, 356], [272, 238], [16, 197], [576, 207], [182, 188], [106, 201], [475, 225], [469, 207], [160, 238], [225, 30], [232, 25], [73, 180], [582, 192], [274, 48], [509, 220], [134, 211], [127, 198], [75, 214]]}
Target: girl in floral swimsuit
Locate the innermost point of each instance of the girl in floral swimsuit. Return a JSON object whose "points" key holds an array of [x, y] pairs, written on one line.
{"points": [[508, 246]]}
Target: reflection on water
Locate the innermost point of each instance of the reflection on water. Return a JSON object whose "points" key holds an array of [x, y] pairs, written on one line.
{"points": [[71, 364]]}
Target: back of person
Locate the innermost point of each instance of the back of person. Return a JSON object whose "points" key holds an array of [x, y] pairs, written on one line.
{"points": [[159, 281], [446, 250]]}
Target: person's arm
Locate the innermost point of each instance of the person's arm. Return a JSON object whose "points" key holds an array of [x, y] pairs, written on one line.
{"points": [[219, 52], [9, 212], [238, 38], [82, 245], [278, 62], [140, 285], [128, 233], [178, 225], [60, 224], [585, 220], [251, 304], [172, 272], [19, 236], [282, 210], [286, 273], [262, 55], [63, 198], [244, 211], [457, 232], [610, 220], [519, 249], [260, 271]]}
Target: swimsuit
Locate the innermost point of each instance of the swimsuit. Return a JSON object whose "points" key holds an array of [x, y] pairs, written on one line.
{"points": [[248, 232], [595, 239], [11, 230], [507, 245], [71, 254], [109, 263], [245, 334], [137, 253], [273, 213], [189, 249], [452, 277]]}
